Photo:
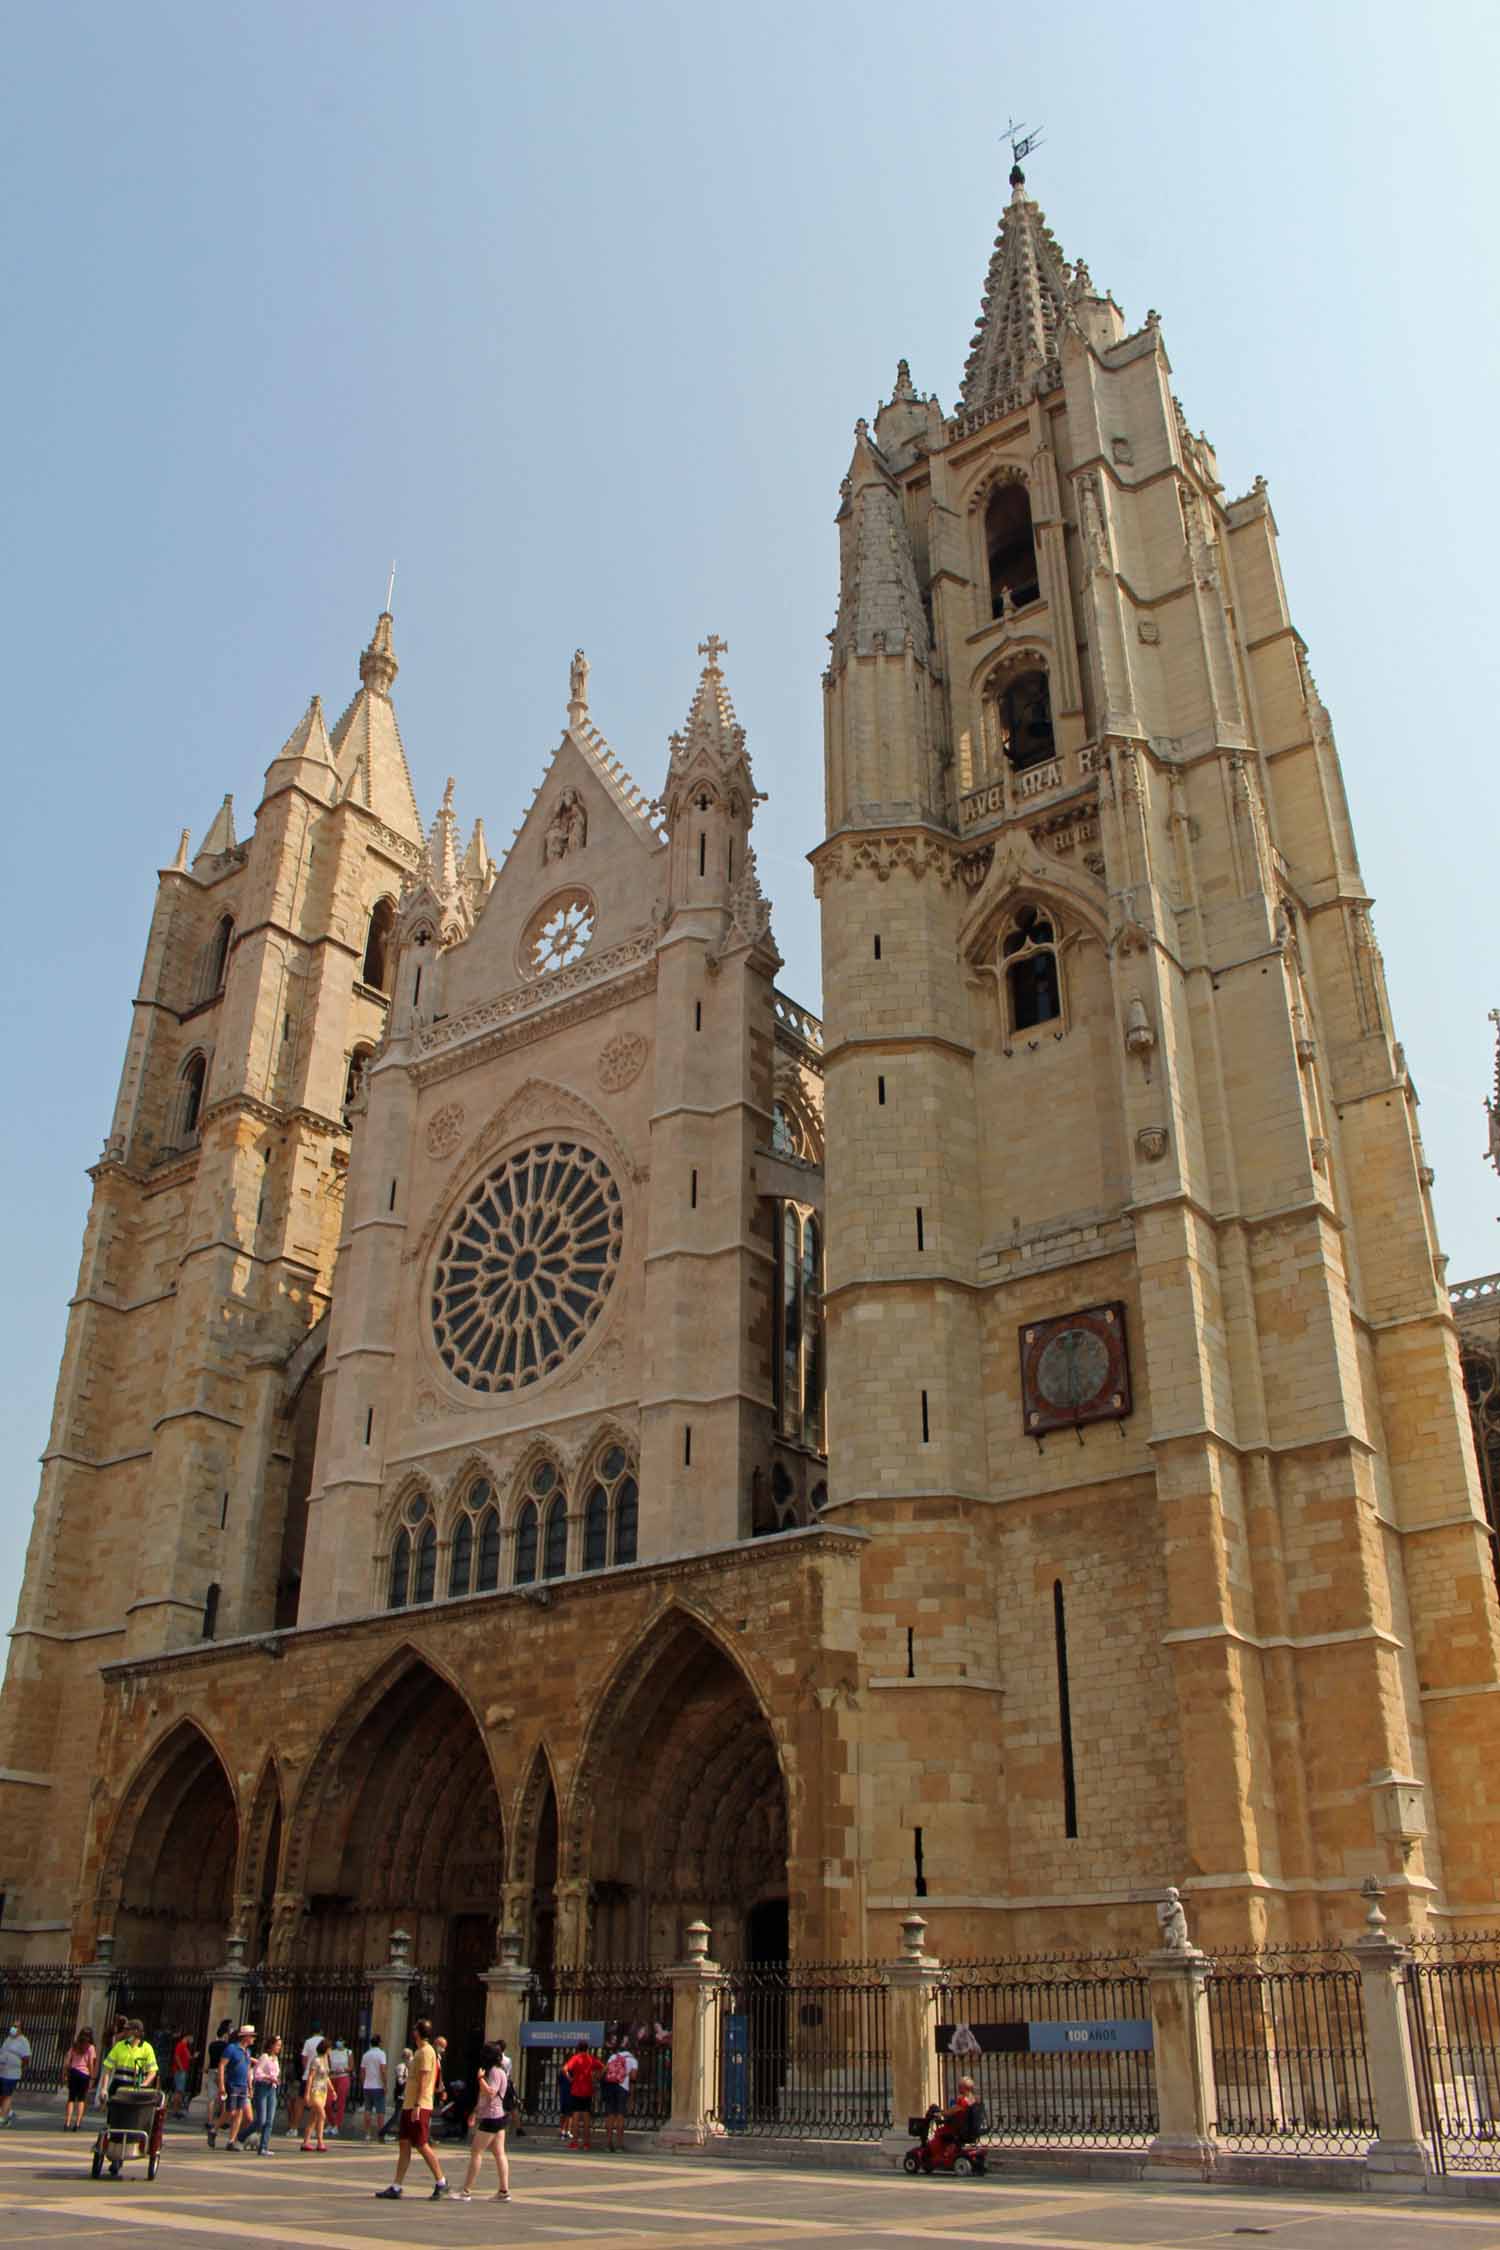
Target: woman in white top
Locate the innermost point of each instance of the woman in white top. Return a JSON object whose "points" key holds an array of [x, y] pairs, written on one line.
{"points": [[487, 2124]]}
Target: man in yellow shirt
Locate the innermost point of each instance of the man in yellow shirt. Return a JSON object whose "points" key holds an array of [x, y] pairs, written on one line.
{"points": [[132, 2056], [416, 2116]]}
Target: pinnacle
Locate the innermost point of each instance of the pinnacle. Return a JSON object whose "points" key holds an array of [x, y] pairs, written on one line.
{"points": [[1025, 297], [378, 666], [711, 724]]}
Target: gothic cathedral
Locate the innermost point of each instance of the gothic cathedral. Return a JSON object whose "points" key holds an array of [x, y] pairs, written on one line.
{"points": [[556, 1442]]}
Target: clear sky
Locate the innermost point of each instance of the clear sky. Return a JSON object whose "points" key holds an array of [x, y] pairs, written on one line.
{"points": [[572, 311]]}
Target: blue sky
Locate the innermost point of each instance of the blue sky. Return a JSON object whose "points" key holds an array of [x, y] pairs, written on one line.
{"points": [[572, 311]]}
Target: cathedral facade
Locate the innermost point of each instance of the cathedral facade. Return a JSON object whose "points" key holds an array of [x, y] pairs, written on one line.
{"points": [[552, 1437]]}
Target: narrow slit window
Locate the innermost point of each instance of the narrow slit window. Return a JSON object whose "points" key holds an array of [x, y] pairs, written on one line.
{"points": [[911, 1652], [1064, 1711], [880, 1091], [416, 985], [919, 1871], [687, 1445], [877, 945], [369, 1423], [693, 1190], [697, 1015], [702, 852], [211, 1612], [391, 1205], [926, 1422], [921, 1230], [224, 1512]]}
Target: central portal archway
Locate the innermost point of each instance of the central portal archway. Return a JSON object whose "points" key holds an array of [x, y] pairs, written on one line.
{"points": [[400, 1829], [683, 1809], [169, 1878]]}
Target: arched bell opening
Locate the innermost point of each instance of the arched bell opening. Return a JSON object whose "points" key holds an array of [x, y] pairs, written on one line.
{"points": [[403, 1831], [171, 1866], [687, 1804]]}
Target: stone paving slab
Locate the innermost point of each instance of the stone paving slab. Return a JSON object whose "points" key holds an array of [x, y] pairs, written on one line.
{"points": [[640, 2202]]}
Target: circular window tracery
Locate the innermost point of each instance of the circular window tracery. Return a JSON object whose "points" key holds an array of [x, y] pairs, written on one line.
{"points": [[559, 933], [526, 1267]]}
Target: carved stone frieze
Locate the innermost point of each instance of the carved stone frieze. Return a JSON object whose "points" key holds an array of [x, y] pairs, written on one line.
{"points": [[526, 999], [913, 853]]}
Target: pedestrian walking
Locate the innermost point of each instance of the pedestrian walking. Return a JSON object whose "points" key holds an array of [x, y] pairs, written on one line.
{"points": [[316, 2088], [416, 2117], [265, 2085], [372, 2068], [296, 2105], [403, 2068], [234, 2083], [78, 2074], [341, 2069], [487, 2123], [619, 2080], [215, 2080], [182, 2069], [15, 2054]]}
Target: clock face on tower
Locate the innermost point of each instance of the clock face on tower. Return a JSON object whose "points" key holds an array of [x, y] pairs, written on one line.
{"points": [[1075, 1369]]}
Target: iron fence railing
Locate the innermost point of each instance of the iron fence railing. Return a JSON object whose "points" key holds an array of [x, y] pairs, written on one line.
{"points": [[294, 2002], [1453, 2011], [42, 1998], [172, 2003], [1290, 2065], [617, 2002], [1059, 2048], [801, 2050]]}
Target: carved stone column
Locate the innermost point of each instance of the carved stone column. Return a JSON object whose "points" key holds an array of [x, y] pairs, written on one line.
{"points": [[1186, 2104], [1399, 2160], [390, 2002], [506, 1985]]}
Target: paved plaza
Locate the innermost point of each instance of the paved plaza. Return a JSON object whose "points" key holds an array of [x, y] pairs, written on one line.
{"points": [[636, 2202]]}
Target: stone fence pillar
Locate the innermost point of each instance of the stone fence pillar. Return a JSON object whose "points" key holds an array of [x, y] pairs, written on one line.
{"points": [[390, 2003], [1186, 2103], [911, 2027], [226, 1996], [94, 1981], [695, 1986], [506, 1985], [1399, 2160]]}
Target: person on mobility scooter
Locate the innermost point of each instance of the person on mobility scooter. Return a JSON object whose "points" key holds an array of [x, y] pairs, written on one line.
{"points": [[949, 2138]]}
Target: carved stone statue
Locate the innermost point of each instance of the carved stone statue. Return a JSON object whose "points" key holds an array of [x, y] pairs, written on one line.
{"points": [[568, 829], [578, 685], [1173, 1922]]}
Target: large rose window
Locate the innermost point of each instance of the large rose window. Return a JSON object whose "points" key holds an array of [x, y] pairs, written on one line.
{"points": [[558, 934], [526, 1267]]}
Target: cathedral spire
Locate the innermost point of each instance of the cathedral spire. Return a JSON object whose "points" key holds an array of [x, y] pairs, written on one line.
{"points": [[712, 730], [442, 845], [1014, 351], [366, 743]]}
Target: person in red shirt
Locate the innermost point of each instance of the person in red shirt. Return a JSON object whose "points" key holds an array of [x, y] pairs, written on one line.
{"points": [[582, 2072], [182, 2065]]}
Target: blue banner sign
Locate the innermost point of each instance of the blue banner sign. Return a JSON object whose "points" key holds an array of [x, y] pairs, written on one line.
{"points": [[562, 2034], [1117, 2035], [1104, 2035]]}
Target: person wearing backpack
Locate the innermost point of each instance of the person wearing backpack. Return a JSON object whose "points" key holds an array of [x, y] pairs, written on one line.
{"points": [[488, 2119], [619, 2077]]}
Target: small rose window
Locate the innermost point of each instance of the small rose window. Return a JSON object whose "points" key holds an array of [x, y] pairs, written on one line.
{"points": [[558, 934]]}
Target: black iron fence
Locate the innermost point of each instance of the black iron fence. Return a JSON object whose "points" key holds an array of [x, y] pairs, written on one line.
{"points": [[42, 1998], [801, 2050], [452, 2000], [1453, 2010], [1290, 2065], [1059, 2048], [611, 2003], [172, 2003], [293, 2003]]}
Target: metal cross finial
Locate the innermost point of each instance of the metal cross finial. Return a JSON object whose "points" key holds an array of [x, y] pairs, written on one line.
{"points": [[713, 648], [390, 591]]}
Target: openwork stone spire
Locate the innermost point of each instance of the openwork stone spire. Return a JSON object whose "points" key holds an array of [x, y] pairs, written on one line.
{"points": [[711, 727], [1014, 352]]}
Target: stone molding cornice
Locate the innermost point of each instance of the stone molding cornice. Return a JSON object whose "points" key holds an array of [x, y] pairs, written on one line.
{"points": [[1186, 1635], [906, 847], [538, 994], [505, 1036], [886, 1041], [840, 1542]]}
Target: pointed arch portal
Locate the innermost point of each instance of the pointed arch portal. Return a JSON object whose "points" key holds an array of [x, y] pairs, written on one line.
{"points": [[172, 1863], [682, 1805], [402, 1829]]}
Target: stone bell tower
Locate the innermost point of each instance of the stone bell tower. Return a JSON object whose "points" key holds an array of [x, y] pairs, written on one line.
{"points": [[1138, 1347]]}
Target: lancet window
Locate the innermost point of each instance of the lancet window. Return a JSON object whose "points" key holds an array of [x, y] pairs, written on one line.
{"points": [[377, 963], [413, 1576], [1011, 549], [610, 1512], [536, 1542], [216, 960], [1024, 711], [797, 1373], [1029, 964], [474, 1557], [191, 1081]]}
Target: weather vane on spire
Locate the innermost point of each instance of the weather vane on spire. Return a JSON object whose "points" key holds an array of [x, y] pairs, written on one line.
{"points": [[1022, 142], [390, 591]]}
